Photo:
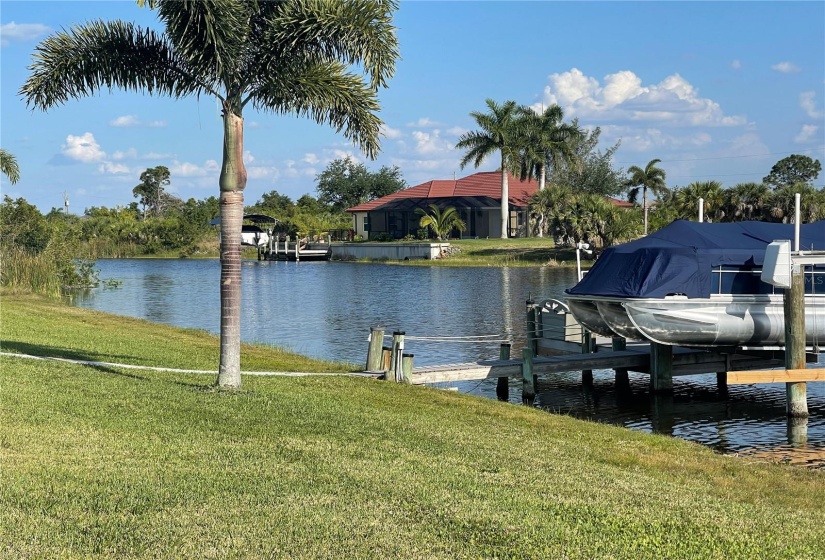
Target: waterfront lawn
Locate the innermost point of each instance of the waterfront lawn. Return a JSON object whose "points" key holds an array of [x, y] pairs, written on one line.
{"points": [[528, 251], [43, 327], [105, 463]]}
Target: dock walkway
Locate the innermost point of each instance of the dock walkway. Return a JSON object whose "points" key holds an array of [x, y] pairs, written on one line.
{"points": [[637, 358]]}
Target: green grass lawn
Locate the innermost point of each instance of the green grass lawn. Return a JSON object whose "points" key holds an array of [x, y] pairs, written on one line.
{"points": [[523, 251], [108, 463]]}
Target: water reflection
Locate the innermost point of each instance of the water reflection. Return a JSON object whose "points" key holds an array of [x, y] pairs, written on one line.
{"points": [[326, 310]]}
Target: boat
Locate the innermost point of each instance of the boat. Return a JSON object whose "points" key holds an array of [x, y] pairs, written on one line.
{"points": [[699, 285]]}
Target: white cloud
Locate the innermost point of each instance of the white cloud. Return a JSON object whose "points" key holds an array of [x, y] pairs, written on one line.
{"points": [[643, 139], [389, 132], [157, 155], [83, 148], [736, 64], [131, 153], [109, 168], [248, 157], [429, 143], [186, 169], [12, 32], [807, 100], [211, 166], [423, 122], [622, 96], [128, 121], [457, 131], [807, 134], [311, 159], [785, 67]]}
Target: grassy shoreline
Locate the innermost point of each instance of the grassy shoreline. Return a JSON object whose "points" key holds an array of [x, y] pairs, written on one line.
{"points": [[104, 462]]}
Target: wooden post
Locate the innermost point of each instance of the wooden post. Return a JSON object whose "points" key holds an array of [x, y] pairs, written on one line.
{"points": [[532, 336], [396, 371], [618, 344], [722, 382], [297, 249], [376, 343], [661, 368], [407, 367], [587, 348], [793, 300], [386, 358], [503, 383], [528, 392]]}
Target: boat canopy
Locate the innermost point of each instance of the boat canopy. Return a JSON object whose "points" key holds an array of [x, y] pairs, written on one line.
{"points": [[679, 258]]}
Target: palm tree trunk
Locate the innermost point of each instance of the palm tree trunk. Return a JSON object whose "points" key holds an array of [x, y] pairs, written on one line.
{"points": [[644, 206], [505, 201], [232, 183], [542, 181]]}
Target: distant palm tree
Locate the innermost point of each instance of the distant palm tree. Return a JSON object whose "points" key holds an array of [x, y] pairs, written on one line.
{"points": [[782, 203], [498, 134], [746, 201], [8, 166], [544, 141], [650, 178], [713, 201], [442, 222], [321, 59]]}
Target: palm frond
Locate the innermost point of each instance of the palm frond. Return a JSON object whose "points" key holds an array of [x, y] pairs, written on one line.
{"points": [[355, 32], [97, 55], [326, 93], [9, 167]]}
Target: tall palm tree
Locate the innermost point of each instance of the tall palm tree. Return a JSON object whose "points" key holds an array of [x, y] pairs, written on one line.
{"points": [[8, 166], [650, 178], [498, 134], [321, 59], [545, 141], [441, 221]]}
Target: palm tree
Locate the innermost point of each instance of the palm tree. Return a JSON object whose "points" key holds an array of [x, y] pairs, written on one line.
{"points": [[544, 141], [498, 134], [747, 201], [713, 200], [8, 166], [650, 178], [441, 222], [321, 59]]}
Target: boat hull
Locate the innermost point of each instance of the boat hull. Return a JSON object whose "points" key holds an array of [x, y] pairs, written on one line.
{"points": [[721, 320]]}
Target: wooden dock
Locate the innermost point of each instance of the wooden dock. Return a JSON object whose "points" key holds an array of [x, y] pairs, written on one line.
{"points": [[637, 359]]}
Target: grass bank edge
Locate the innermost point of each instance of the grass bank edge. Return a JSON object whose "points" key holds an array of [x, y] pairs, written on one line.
{"points": [[28, 325]]}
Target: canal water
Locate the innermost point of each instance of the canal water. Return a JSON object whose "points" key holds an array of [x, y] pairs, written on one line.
{"points": [[325, 310]]}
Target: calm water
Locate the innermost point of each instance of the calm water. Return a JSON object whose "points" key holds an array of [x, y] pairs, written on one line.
{"points": [[325, 310]]}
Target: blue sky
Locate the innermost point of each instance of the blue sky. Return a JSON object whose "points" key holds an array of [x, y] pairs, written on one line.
{"points": [[716, 90]]}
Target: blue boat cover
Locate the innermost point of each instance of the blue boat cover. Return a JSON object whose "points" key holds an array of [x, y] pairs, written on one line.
{"points": [[679, 258]]}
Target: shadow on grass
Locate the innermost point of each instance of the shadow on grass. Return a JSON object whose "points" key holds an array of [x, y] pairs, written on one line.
{"points": [[57, 352]]}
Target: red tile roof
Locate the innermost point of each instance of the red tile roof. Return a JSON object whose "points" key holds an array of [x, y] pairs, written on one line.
{"points": [[487, 183]]}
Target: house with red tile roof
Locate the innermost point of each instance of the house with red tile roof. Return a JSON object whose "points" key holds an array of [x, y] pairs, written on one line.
{"points": [[477, 198]]}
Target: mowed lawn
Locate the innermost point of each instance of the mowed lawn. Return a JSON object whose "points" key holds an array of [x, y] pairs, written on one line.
{"points": [[101, 462]]}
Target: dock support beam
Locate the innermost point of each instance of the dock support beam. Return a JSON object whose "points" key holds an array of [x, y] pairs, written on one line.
{"points": [[793, 300], [532, 331], [503, 383], [528, 392], [374, 352], [587, 348], [622, 378], [661, 368]]}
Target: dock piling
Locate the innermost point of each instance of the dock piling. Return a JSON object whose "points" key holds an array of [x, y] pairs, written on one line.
{"points": [[528, 392], [396, 370], [793, 300], [407, 367], [661, 368], [503, 383], [622, 378], [587, 348], [376, 343]]}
